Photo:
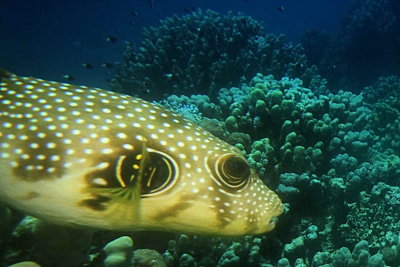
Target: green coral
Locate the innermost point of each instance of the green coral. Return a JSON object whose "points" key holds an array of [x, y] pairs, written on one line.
{"points": [[332, 158], [118, 252], [323, 152], [203, 52]]}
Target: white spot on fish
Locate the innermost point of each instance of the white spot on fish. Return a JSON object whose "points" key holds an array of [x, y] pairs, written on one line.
{"points": [[128, 146], [107, 151]]}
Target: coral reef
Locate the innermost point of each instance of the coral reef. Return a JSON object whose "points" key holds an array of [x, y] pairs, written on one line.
{"points": [[366, 48], [118, 252], [222, 252], [147, 258], [328, 156], [47, 244], [203, 52], [382, 90], [333, 158]]}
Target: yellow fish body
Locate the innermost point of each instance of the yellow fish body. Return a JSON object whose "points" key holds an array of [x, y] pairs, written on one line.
{"points": [[89, 157]]}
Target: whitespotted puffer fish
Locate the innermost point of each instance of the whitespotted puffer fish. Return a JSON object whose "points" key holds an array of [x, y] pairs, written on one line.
{"points": [[84, 156]]}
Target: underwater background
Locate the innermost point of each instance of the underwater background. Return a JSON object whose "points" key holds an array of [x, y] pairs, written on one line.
{"points": [[308, 91]]}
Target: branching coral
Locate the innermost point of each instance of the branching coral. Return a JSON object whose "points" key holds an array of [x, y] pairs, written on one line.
{"points": [[204, 51], [324, 152]]}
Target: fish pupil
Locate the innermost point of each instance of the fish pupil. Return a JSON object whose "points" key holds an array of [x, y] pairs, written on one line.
{"points": [[235, 171], [237, 167]]}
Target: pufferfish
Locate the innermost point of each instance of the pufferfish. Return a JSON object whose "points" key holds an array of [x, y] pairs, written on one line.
{"points": [[88, 157]]}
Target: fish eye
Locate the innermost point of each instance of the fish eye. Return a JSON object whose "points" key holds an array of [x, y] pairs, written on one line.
{"points": [[159, 176], [153, 172], [233, 170]]}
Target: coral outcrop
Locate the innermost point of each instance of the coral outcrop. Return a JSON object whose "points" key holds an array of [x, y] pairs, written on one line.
{"points": [[366, 48], [204, 51]]}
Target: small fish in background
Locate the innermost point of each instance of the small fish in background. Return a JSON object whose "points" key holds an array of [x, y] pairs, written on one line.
{"points": [[332, 68], [171, 77], [151, 3], [107, 65], [87, 66], [132, 23], [69, 77], [168, 75], [281, 8], [134, 13], [299, 65], [188, 10], [112, 39]]}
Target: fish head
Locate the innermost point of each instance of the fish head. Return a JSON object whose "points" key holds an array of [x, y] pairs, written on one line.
{"points": [[89, 157], [206, 186]]}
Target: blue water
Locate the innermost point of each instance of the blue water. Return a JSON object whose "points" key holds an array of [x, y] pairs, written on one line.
{"points": [[50, 39]]}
